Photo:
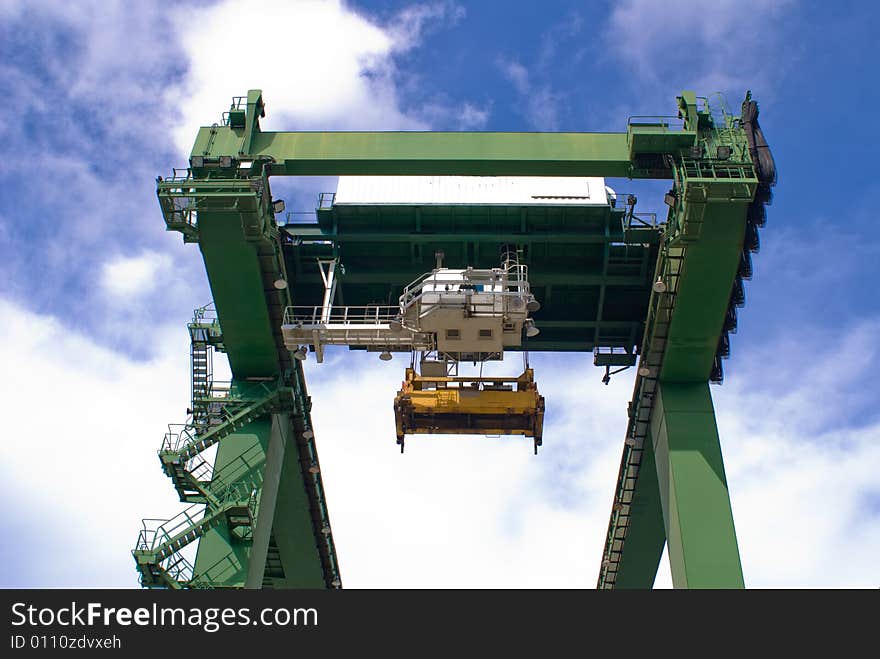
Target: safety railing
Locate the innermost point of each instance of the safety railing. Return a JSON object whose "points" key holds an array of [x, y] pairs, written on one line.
{"points": [[225, 391], [659, 123], [640, 221], [177, 201], [362, 315], [509, 282], [156, 532], [472, 383], [205, 314], [309, 218], [181, 438], [179, 569], [701, 169], [238, 103]]}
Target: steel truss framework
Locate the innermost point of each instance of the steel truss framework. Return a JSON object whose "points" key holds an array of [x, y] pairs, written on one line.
{"points": [[632, 290]]}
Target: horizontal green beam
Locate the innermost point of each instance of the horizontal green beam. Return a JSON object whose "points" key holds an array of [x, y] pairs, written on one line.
{"points": [[427, 153], [574, 236], [401, 278], [604, 324]]}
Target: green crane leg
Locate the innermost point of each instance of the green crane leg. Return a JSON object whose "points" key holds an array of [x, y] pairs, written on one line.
{"points": [[222, 559], [645, 535], [268, 498], [703, 551], [269, 459]]}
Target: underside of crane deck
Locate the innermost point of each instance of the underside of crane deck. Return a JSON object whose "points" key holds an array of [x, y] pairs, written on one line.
{"points": [[634, 291]]}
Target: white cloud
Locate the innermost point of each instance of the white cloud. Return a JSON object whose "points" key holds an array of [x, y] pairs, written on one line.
{"points": [[540, 103], [320, 64], [801, 432], [416, 20], [466, 511], [469, 512], [126, 276], [447, 115], [801, 460], [111, 55], [470, 117], [82, 428], [459, 512], [451, 511], [725, 46]]}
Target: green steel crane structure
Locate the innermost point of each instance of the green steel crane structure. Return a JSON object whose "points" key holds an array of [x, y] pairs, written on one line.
{"points": [[659, 295]]}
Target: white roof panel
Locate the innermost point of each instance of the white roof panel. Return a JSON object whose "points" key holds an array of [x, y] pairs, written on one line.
{"points": [[472, 190]]}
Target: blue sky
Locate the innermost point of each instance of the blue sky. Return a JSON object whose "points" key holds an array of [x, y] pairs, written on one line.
{"points": [[101, 97]]}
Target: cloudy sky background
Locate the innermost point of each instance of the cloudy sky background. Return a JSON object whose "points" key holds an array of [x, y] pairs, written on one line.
{"points": [[101, 97]]}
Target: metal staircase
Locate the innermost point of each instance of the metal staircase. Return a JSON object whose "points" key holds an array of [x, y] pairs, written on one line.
{"points": [[220, 497], [159, 553], [205, 336], [180, 451]]}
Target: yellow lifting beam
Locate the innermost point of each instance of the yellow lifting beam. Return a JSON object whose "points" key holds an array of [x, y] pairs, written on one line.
{"points": [[445, 405]]}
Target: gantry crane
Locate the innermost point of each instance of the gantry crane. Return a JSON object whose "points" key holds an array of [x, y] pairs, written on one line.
{"points": [[661, 296]]}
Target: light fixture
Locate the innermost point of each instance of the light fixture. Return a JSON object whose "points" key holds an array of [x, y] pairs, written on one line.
{"points": [[325, 529], [278, 206], [385, 356], [197, 161], [280, 283], [226, 162], [533, 305], [308, 434], [644, 371], [531, 330], [659, 286], [336, 583], [301, 353], [629, 441], [314, 469], [669, 199]]}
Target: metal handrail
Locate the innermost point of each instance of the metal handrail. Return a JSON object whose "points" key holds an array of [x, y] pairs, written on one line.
{"points": [[153, 536], [641, 219], [207, 312], [669, 123], [516, 277], [357, 315]]}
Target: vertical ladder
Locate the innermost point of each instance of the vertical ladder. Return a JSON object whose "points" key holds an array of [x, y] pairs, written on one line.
{"points": [[201, 374]]}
